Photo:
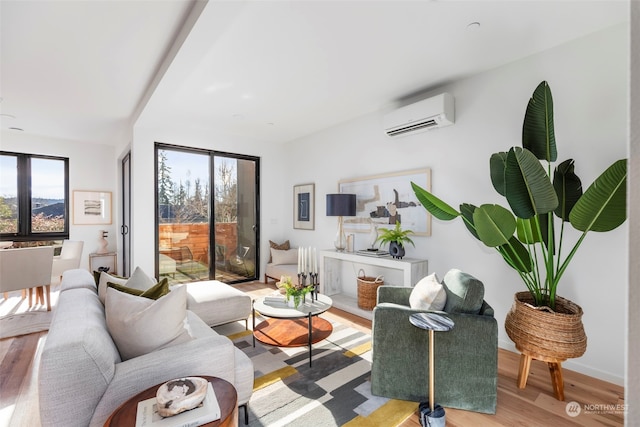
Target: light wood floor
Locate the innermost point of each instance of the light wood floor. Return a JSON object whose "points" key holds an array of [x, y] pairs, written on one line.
{"points": [[600, 402]]}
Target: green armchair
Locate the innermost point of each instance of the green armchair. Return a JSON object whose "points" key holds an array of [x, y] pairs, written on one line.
{"points": [[466, 358]]}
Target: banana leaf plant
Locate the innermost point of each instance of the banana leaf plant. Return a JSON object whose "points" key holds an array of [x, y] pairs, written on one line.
{"points": [[526, 236]]}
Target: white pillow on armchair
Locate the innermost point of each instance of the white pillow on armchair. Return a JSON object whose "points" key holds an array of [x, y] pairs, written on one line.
{"points": [[428, 294], [287, 256]]}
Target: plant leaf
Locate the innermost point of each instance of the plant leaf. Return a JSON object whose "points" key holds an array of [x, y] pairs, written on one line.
{"points": [[517, 255], [603, 206], [434, 205], [528, 188], [568, 188], [497, 165], [466, 210], [527, 231], [538, 135], [495, 225]]}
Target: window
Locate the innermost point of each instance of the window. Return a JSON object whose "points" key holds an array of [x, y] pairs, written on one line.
{"points": [[34, 197]]}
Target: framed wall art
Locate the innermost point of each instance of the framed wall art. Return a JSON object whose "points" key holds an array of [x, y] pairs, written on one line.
{"points": [[91, 207], [304, 206], [381, 200]]}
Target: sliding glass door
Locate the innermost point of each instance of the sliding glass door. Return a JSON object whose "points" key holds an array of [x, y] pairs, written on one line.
{"points": [[235, 218], [203, 233]]}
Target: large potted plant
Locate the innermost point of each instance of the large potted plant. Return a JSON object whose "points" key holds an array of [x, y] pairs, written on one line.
{"points": [[396, 238], [527, 237]]}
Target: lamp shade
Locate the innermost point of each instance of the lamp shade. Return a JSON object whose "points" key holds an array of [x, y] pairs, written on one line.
{"points": [[341, 204]]}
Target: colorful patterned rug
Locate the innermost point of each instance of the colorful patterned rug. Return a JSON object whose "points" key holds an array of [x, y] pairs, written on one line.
{"points": [[335, 391]]}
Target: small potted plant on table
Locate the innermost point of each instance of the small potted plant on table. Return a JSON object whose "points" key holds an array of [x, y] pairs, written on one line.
{"points": [[396, 237], [294, 293]]}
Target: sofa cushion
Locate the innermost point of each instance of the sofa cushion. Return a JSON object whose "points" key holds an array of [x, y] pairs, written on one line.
{"points": [[138, 280], [281, 246], [105, 278], [288, 256], [156, 291], [141, 325], [465, 293], [428, 294]]}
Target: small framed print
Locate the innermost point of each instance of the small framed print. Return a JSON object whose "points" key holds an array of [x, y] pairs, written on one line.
{"points": [[304, 206], [91, 207]]}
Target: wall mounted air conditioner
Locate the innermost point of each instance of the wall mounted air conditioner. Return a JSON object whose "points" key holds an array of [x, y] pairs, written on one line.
{"points": [[434, 112]]}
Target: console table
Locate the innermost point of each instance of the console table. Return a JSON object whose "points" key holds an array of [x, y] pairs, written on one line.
{"points": [[343, 290]]}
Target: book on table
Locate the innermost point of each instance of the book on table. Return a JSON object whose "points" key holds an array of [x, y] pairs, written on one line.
{"points": [[209, 410], [373, 253]]}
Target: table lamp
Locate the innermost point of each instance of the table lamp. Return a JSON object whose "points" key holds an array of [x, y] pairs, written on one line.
{"points": [[341, 205]]}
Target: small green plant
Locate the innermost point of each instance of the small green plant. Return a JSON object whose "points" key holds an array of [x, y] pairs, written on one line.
{"points": [[396, 234], [293, 291]]}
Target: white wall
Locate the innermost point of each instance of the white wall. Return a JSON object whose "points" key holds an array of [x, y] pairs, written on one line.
{"points": [[591, 103], [91, 167]]}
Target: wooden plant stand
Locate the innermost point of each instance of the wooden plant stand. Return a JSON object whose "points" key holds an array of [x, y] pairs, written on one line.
{"points": [[555, 369]]}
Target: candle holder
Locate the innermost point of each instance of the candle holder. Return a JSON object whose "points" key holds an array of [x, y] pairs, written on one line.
{"points": [[313, 277], [302, 279]]}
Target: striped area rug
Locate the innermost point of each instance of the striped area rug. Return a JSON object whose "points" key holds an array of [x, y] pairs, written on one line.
{"points": [[335, 391]]}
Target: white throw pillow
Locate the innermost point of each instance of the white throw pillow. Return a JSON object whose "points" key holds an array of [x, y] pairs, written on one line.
{"points": [[428, 294], [289, 256], [138, 280], [141, 325], [102, 284]]}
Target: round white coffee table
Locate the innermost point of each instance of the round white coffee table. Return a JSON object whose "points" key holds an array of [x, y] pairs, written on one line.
{"points": [[284, 329]]}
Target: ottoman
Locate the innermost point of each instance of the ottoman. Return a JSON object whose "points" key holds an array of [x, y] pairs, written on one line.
{"points": [[217, 303]]}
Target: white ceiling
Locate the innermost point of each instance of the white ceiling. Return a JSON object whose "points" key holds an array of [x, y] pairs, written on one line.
{"points": [[269, 70]]}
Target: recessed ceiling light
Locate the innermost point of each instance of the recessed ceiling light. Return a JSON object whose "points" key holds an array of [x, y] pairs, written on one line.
{"points": [[473, 26]]}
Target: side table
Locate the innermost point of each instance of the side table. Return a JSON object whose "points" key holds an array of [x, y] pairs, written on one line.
{"points": [[125, 415], [432, 322], [107, 261]]}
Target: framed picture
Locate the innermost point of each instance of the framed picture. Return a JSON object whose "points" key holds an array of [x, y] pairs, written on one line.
{"points": [[381, 200], [304, 206], [91, 207]]}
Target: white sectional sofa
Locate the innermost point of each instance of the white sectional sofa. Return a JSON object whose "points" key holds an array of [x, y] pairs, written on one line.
{"points": [[82, 377]]}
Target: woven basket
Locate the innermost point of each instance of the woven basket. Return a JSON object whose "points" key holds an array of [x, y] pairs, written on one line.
{"points": [[368, 290], [540, 331]]}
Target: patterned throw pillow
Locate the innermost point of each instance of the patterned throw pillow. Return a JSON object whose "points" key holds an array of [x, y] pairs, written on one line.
{"points": [[281, 246]]}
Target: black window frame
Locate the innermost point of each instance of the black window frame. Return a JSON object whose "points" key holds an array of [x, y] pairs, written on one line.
{"points": [[25, 233]]}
